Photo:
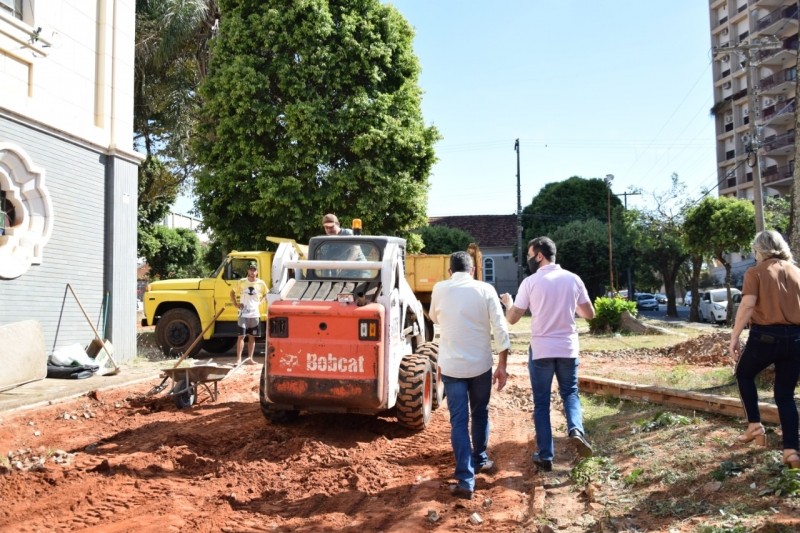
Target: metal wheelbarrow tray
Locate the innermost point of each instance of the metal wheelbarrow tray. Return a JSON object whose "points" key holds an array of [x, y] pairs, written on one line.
{"points": [[190, 380]]}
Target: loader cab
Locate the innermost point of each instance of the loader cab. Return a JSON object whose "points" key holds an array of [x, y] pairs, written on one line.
{"points": [[349, 248]]}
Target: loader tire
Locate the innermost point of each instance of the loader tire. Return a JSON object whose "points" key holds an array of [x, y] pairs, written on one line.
{"points": [[431, 350], [415, 399], [176, 331], [270, 412]]}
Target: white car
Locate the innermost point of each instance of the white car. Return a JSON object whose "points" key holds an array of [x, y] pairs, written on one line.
{"points": [[713, 305]]}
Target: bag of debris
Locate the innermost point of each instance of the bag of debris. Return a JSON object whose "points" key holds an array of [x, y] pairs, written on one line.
{"points": [[70, 355], [71, 372]]}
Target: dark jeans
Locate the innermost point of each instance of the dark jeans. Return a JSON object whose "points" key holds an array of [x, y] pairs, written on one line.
{"points": [[766, 345], [468, 398]]}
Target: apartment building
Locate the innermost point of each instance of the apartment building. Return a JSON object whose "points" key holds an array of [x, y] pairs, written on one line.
{"points": [[756, 41]]}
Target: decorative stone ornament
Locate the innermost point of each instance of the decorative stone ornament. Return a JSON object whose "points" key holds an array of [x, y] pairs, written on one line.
{"points": [[23, 241]]}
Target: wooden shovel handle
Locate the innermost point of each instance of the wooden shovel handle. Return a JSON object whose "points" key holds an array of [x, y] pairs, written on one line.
{"points": [[198, 339]]}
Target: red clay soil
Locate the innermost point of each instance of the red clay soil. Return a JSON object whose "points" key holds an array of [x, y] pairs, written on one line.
{"points": [[118, 461], [111, 462]]}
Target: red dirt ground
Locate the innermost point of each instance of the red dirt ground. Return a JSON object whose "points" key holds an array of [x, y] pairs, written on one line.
{"points": [[113, 462]]}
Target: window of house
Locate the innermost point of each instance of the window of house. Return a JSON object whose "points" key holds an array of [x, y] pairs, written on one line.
{"points": [[12, 7], [488, 269]]}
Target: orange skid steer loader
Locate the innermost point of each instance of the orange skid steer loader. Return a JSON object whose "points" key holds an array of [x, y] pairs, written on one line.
{"points": [[347, 334]]}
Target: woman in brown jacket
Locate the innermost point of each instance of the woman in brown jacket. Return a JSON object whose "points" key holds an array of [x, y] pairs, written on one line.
{"points": [[771, 304]]}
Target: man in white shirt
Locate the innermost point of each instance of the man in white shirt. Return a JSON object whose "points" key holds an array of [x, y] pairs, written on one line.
{"points": [[468, 311]]}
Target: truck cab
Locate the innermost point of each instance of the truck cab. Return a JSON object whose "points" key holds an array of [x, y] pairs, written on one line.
{"points": [[182, 309]]}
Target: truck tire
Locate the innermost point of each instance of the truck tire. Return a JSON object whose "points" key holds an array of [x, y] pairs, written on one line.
{"points": [[176, 330], [270, 412], [220, 345], [415, 399], [431, 350]]}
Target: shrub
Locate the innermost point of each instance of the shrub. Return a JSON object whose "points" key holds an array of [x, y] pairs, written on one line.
{"points": [[608, 313]]}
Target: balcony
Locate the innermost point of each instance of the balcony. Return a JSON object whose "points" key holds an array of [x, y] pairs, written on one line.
{"points": [[778, 113], [779, 82], [769, 23], [779, 144], [786, 55], [775, 173]]}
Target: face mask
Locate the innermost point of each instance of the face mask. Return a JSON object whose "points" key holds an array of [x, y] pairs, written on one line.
{"points": [[533, 265]]}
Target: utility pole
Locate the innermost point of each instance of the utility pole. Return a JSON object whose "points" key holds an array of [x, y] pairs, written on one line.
{"points": [[630, 279], [519, 219], [745, 51], [609, 178]]}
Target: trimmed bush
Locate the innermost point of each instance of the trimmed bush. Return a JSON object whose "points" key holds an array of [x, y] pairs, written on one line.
{"points": [[608, 312]]}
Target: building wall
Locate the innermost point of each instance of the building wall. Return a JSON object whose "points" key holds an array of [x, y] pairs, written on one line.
{"points": [[66, 108], [505, 269]]}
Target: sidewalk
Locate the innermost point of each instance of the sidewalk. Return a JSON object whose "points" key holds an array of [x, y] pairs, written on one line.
{"points": [[50, 391]]}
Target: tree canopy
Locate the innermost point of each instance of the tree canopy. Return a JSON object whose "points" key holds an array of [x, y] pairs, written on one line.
{"points": [[444, 240], [309, 108], [561, 202], [719, 226]]}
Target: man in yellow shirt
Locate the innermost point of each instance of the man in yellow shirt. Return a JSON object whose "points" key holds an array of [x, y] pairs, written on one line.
{"points": [[251, 291]]}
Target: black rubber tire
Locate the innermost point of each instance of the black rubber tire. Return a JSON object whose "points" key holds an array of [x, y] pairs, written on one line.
{"points": [[415, 399], [219, 345], [176, 330], [270, 412], [431, 350], [186, 398]]}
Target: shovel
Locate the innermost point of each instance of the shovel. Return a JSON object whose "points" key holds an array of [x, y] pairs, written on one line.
{"points": [[103, 359]]}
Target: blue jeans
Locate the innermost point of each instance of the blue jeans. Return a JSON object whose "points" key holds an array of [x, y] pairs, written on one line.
{"points": [[541, 372], [767, 345], [469, 398]]}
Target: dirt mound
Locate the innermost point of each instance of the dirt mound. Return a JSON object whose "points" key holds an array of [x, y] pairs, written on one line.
{"points": [[706, 350]]}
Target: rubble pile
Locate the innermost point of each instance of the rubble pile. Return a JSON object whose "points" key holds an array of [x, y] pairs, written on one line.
{"points": [[705, 350]]}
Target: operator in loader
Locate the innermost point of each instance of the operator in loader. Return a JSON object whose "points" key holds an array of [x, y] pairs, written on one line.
{"points": [[468, 311]]}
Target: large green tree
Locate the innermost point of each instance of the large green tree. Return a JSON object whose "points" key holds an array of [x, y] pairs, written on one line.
{"points": [[444, 240], [581, 247], [582, 200], [658, 237], [311, 107], [717, 227]]}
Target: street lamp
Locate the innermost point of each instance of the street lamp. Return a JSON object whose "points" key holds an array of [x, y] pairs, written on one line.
{"points": [[608, 180]]}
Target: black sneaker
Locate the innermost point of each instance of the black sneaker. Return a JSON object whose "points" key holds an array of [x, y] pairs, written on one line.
{"points": [[486, 468], [460, 492], [580, 442], [544, 465]]}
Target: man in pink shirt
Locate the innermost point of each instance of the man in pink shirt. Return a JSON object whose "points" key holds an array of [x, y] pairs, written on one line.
{"points": [[554, 296]]}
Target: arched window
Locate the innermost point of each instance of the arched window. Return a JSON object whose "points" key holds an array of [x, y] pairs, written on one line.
{"points": [[488, 269]]}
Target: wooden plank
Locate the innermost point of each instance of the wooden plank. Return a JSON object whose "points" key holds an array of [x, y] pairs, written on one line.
{"points": [[709, 403]]}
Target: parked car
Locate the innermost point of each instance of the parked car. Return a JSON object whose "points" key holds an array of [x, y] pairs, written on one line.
{"points": [[713, 305], [645, 301], [661, 298]]}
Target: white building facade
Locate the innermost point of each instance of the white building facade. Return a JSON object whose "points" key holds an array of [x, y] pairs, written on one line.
{"points": [[68, 170]]}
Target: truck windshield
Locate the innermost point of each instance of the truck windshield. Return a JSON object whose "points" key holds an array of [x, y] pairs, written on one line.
{"points": [[344, 251]]}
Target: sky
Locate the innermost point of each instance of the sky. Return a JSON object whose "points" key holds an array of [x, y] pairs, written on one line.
{"points": [[589, 87]]}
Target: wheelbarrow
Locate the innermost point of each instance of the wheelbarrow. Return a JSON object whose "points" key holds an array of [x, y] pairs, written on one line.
{"points": [[189, 381]]}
